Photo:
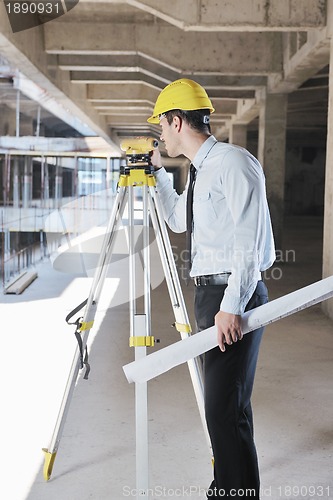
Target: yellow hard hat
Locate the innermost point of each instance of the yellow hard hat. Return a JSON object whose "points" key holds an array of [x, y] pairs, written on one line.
{"points": [[182, 94]]}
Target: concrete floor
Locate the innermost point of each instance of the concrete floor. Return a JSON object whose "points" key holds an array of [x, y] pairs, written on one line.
{"points": [[293, 395]]}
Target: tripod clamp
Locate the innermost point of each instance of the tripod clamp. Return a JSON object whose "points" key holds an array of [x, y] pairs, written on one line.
{"points": [[80, 327]]}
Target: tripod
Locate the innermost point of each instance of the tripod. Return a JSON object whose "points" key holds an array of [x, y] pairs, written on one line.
{"points": [[138, 173]]}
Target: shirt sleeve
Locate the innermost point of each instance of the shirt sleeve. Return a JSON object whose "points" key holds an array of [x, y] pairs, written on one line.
{"points": [[173, 204], [244, 188]]}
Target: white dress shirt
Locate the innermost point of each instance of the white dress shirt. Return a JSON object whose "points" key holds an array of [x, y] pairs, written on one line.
{"points": [[232, 229]]}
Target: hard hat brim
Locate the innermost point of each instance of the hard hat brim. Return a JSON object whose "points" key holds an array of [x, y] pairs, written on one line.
{"points": [[153, 119]]}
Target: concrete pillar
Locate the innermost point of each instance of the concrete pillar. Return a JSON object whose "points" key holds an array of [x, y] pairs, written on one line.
{"points": [[6, 180], [42, 181], [272, 153], [6, 255], [75, 182], [58, 184], [328, 201], [46, 194], [18, 105], [16, 184], [238, 135], [108, 173], [27, 183]]}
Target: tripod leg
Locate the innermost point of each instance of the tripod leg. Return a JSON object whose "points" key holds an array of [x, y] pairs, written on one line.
{"points": [[177, 300], [86, 325], [140, 329]]}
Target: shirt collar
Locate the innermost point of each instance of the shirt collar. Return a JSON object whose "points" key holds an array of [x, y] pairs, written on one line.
{"points": [[203, 151]]}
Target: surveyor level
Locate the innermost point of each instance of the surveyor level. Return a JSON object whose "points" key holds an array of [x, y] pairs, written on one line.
{"points": [[138, 173]]}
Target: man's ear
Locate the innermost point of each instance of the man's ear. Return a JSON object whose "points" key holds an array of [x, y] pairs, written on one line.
{"points": [[177, 122]]}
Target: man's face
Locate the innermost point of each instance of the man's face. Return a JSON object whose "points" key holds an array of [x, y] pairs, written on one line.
{"points": [[170, 137]]}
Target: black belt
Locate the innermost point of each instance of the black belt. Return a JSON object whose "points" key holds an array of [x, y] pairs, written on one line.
{"points": [[212, 279]]}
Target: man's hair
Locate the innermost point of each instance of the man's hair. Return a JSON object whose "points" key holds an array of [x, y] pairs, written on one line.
{"points": [[197, 119]]}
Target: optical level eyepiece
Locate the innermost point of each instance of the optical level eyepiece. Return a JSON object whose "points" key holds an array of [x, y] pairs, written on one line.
{"points": [[138, 145]]}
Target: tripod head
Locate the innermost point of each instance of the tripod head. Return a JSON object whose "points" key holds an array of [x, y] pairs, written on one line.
{"points": [[138, 151]]}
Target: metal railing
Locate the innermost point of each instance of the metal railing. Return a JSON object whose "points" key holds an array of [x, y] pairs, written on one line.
{"points": [[14, 264], [17, 262]]}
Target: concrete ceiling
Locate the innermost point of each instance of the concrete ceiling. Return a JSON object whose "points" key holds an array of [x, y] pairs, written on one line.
{"points": [[99, 68]]}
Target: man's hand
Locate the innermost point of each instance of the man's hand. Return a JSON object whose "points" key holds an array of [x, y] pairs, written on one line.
{"points": [[228, 328], [156, 159]]}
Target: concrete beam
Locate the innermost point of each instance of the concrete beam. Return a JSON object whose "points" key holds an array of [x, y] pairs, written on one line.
{"points": [[245, 53], [96, 77], [124, 65], [142, 91], [306, 62], [119, 93], [247, 111], [237, 15], [236, 82], [121, 108], [119, 63]]}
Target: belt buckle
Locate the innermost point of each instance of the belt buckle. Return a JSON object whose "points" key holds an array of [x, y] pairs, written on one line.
{"points": [[201, 281]]}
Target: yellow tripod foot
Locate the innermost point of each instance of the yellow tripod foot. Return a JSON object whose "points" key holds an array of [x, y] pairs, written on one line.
{"points": [[48, 464]]}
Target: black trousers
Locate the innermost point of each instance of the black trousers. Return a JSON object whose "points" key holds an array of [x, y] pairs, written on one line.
{"points": [[228, 382]]}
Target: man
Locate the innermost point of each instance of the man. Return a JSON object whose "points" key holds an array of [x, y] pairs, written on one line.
{"points": [[232, 243]]}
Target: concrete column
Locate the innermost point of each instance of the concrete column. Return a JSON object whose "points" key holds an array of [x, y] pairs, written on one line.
{"points": [[16, 184], [272, 153], [18, 105], [27, 183], [42, 181], [238, 135], [75, 183], [108, 173], [5, 180], [46, 182], [6, 255], [58, 184], [328, 201]]}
